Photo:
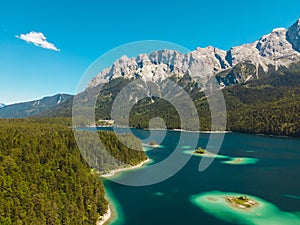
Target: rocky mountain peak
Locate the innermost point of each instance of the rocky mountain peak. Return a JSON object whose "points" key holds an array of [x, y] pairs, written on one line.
{"points": [[169, 57], [275, 45], [246, 52], [279, 30], [124, 58], [208, 60], [281, 47], [293, 35]]}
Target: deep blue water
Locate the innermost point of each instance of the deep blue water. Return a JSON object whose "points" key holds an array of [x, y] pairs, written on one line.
{"points": [[275, 178]]}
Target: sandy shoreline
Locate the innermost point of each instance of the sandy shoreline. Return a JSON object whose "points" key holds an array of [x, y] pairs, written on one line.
{"points": [[159, 129], [107, 216], [113, 172], [204, 132]]}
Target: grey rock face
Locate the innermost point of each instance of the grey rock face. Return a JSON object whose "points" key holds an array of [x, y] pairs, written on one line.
{"points": [[279, 48], [159, 65], [293, 35]]}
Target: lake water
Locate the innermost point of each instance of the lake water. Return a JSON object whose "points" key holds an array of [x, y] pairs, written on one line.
{"points": [[272, 176]]}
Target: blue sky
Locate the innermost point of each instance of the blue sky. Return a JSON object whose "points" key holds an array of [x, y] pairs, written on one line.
{"points": [[84, 30]]}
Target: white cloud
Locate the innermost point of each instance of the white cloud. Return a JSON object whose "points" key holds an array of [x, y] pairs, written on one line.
{"points": [[38, 39]]}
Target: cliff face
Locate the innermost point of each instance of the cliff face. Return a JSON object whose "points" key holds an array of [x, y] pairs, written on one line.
{"points": [[279, 48], [293, 35]]}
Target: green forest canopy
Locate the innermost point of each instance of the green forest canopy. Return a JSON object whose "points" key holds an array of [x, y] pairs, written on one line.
{"points": [[44, 178]]}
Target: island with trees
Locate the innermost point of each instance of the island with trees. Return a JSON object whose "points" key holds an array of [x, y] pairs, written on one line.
{"points": [[203, 152], [240, 202], [200, 151], [153, 143]]}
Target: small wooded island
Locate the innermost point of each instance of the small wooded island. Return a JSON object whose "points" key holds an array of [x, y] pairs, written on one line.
{"points": [[153, 143], [200, 151], [241, 202], [203, 152]]}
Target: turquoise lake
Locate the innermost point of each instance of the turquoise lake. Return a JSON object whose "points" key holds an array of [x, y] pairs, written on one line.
{"points": [[270, 172]]}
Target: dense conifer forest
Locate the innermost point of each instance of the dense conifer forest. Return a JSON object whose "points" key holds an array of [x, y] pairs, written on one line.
{"points": [[268, 106], [44, 178]]}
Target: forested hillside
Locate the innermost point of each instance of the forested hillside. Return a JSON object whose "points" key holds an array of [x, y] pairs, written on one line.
{"points": [[44, 178], [268, 105], [113, 153]]}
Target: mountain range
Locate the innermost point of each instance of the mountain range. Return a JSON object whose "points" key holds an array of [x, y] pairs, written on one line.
{"points": [[260, 82], [27, 109], [277, 49]]}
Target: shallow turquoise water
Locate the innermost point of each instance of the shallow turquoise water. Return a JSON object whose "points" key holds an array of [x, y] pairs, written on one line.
{"points": [[272, 176], [265, 213]]}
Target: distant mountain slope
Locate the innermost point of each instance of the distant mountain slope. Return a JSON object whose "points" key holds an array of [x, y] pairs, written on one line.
{"points": [[27, 109], [61, 110]]}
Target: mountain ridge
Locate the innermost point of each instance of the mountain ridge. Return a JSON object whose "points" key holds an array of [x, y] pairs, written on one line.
{"points": [[268, 105], [260, 97], [279, 48], [27, 109]]}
